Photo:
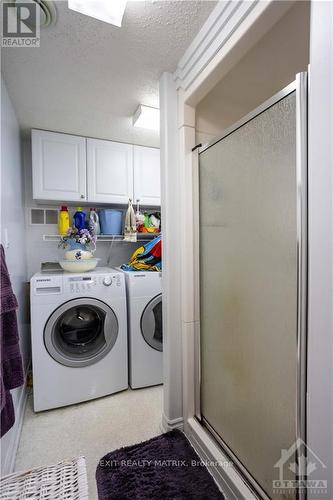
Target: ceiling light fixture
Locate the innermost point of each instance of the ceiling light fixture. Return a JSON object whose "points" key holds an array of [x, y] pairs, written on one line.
{"points": [[109, 11], [147, 117]]}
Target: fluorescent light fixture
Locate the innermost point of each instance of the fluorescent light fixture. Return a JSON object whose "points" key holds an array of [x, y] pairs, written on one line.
{"points": [[147, 117], [109, 11]]}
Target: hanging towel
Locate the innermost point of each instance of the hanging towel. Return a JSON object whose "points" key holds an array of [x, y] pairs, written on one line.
{"points": [[148, 257], [11, 370], [130, 224]]}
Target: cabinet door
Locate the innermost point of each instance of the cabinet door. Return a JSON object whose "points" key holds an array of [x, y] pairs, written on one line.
{"points": [[58, 166], [147, 186], [110, 171]]}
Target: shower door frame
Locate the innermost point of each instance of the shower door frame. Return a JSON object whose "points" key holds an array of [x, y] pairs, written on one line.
{"points": [[300, 87]]}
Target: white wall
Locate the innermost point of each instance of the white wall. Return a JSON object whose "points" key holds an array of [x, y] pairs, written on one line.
{"points": [[12, 222]]}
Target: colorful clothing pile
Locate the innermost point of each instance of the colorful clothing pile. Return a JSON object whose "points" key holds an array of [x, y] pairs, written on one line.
{"points": [[147, 257]]}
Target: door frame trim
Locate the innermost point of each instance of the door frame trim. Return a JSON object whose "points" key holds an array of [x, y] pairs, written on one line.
{"points": [[302, 266]]}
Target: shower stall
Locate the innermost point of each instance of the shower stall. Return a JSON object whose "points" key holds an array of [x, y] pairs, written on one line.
{"points": [[251, 355]]}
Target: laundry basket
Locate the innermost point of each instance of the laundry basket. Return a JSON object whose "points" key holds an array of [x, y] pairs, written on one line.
{"points": [[66, 480]]}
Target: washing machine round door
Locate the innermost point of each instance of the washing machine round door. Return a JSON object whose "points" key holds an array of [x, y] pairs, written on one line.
{"points": [[151, 323], [81, 332]]}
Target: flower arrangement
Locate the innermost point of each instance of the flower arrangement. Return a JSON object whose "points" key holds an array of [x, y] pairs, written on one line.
{"points": [[78, 238]]}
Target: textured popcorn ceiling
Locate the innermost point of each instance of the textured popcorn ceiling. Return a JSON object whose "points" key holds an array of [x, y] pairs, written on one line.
{"points": [[88, 76]]}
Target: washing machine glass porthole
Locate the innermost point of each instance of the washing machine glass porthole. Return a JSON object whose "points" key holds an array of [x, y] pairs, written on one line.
{"points": [[81, 332], [151, 323]]}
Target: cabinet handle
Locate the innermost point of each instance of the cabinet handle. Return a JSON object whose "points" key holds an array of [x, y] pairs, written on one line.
{"points": [[82, 196]]}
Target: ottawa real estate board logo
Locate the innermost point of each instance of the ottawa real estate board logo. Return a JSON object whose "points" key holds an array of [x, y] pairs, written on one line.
{"points": [[307, 466], [20, 24]]}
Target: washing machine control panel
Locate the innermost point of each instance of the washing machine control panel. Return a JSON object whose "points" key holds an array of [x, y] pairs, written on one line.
{"points": [[89, 283], [79, 284]]}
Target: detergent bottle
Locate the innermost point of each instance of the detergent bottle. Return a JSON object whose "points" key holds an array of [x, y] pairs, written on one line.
{"points": [[94, 225], [63, 221], [79, 219]]}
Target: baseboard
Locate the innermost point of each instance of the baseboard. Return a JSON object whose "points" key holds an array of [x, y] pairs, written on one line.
{"points": [[8, 455], [226, 477], [169, 425]]}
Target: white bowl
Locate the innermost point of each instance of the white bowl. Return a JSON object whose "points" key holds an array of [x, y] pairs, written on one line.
{"points": [[78, 266], [85, 254]]}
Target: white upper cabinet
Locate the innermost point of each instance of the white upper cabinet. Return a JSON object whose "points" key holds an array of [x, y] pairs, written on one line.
{"points": [[147, 187], [110, 171], [72, 168], [58, 166]]}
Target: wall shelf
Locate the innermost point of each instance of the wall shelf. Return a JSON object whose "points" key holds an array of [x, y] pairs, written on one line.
{"points": [[141, 237]]}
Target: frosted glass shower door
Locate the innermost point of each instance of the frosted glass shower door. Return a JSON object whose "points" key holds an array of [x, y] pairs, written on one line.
{"points": [[249, 291]]}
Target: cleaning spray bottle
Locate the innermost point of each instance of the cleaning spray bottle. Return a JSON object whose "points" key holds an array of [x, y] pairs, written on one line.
{"points": [[63, 221]]}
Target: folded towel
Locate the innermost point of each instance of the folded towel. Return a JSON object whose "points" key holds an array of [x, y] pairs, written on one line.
{"points": [[11, 369]]}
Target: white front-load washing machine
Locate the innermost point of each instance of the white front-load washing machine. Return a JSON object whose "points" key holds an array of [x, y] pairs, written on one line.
{"points": [[144, 303], [79, 336]]}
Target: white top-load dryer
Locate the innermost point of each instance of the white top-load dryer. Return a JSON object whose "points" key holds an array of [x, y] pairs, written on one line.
{"points": [[79, 336], [144, 303]]}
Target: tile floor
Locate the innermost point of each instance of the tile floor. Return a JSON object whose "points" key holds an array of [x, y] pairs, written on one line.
{"points": [[91, 429]]}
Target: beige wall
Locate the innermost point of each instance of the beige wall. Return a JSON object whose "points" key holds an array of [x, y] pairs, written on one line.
{"points": [[267, 68]]}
